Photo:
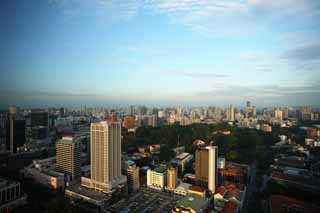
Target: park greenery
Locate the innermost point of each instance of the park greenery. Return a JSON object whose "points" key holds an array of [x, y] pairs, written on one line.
{"points": [[242, 145]]}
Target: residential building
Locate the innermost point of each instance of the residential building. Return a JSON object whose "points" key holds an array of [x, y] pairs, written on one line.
{"points": [[105, 157]]}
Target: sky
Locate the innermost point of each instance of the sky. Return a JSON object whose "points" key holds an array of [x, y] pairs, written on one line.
{"points": [[159, 52]]}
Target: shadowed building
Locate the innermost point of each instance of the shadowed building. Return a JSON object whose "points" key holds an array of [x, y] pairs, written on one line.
{"points": [[68, 158]]}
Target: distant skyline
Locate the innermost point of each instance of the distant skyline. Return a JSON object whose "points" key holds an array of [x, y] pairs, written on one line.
{"points": [[159, 52]]}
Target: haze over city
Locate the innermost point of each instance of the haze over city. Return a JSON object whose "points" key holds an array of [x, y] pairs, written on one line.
{"points": [[113, 53]]}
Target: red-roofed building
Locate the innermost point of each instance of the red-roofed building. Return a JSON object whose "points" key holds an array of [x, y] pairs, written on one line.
{"points": [[197, 190], [227, 193], [112, 119], [301, 182], [237, 175], [284, 204]]}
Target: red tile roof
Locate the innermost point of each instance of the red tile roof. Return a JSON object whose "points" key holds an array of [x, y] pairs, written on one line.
{"points": [[197, 189], [278, 203], [230, 207]]}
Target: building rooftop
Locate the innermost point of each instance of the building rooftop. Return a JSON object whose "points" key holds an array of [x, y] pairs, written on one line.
{"points": [[192, 201], [91, 193], [66, 140], [160, 169], [197, 189], [281, 203], [182, 156], [183, 186]]}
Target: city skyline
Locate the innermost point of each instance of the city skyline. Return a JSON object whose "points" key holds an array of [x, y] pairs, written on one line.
{"points": [[115, 53]]}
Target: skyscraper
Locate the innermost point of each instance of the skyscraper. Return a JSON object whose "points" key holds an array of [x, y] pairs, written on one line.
{"points": [[106, 156], [206, 166], [201, 165], [212, 170], [68, 158]]}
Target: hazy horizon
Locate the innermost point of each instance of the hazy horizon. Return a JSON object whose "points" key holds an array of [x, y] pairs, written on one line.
{"points": [[159, 53]]}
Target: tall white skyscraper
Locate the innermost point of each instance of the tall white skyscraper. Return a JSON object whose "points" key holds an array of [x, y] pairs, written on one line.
{"points": [[105, 156], [230, 113], [212, 170]]}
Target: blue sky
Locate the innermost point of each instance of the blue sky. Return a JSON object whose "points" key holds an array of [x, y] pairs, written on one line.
{"points": [[159, 52]]}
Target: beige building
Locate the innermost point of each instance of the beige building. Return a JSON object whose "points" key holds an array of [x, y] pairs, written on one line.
{"points": [[157, 178], [105, 157], [68, 158], [201, 165], [172, 178]]}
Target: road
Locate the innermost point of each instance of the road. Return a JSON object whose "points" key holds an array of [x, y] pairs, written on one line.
{"points": [[251, 202]]}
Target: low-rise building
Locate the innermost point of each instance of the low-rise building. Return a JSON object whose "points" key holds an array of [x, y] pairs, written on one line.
{"points": [[11, 195], [281, 203], [191, 203], [181, 162], [42, 171], [182, 189]]}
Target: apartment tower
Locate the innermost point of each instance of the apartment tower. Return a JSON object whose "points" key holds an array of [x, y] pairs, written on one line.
{"points": [[106, 156], [68, 158]]}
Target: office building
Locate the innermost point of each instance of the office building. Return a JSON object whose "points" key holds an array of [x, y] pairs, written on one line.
{"points": [[68, 158], [201, 165], [15, 134], [206, 166], [172, 178], [105, 157]]}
